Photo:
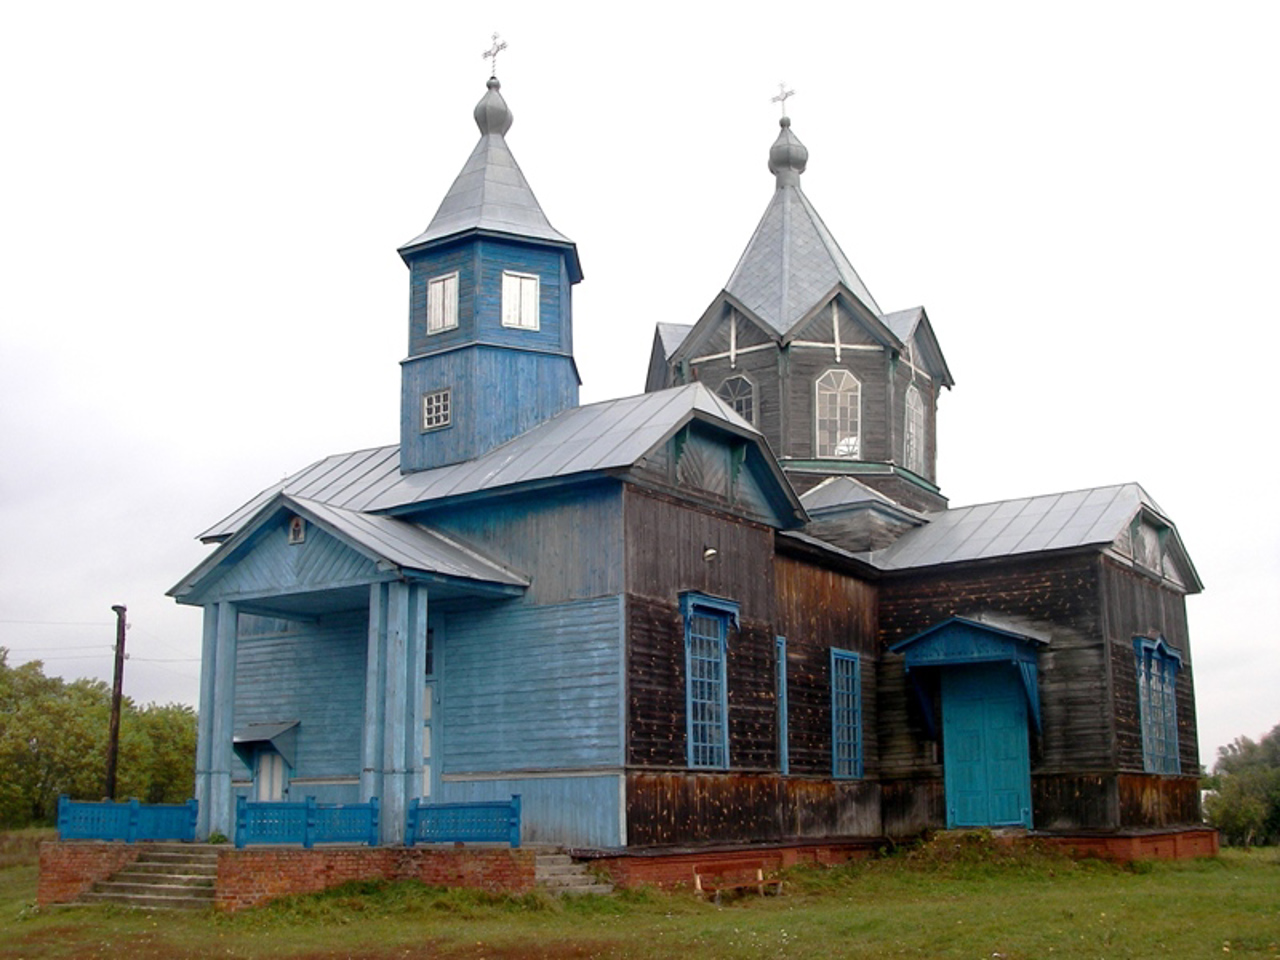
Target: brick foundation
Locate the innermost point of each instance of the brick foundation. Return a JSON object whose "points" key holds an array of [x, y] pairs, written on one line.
{"points": [[675, 868], [253, 876], [1173, 845], [69, 869]]}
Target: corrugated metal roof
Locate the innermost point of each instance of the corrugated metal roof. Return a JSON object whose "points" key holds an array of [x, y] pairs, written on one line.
{"points": [[491, 193], [408, 545], [672, 335], [611, 435], [1059, 521], [835, 492], [791, 262]]}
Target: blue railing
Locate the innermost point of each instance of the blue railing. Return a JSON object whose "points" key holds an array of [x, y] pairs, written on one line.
{"points": [[491, 821], [129, 821], [306, 823]]}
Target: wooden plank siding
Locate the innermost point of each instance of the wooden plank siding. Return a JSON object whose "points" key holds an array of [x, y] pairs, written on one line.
{"points": [[311, 672], [1138, 606], [529, 687], [693, 808], [818, 609], [568, 541], [1055, 597]]}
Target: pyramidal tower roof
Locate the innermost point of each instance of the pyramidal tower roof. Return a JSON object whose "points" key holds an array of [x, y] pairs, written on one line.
{"points": [[490, 194], [792, 260]]}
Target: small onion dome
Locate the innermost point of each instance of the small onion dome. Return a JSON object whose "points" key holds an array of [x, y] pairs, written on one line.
{"points": [[492, 113], [787, 156]]}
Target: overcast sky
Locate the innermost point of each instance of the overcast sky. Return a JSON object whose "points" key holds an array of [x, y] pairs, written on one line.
{"points": [[200, 207]]}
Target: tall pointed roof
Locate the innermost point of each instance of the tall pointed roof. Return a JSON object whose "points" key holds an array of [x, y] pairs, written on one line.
{"points": [[490, 194], [792, 261]]}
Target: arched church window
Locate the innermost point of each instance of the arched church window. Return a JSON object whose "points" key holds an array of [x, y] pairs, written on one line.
{"points": [[913, 436], [838, 414], [739, 393]]}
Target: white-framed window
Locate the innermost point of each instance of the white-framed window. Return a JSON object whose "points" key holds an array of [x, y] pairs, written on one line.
{"points": [[437, 409], [838, 415], [442, 303], [520, 300], [913, 434], [739, 393]]}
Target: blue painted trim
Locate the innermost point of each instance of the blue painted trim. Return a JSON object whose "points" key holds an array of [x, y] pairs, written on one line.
{"points": [[722, 612], [846, 716], [496, 821], [307, 823], [1157, 665], [784, 751], [129, 822]]}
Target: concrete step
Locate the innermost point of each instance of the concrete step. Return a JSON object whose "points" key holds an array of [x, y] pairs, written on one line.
{"points": [[560, 874], [124, 887], [149, 902], [160, 879], [174, 869]]}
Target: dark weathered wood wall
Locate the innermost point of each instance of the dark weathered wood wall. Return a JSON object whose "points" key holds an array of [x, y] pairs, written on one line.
{"points": [[819, 609], [1137, 605]]}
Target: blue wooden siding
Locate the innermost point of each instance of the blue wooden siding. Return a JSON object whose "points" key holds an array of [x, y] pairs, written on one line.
{"points": [[497, 394], [269, 565], [569, 541], [532, 688], [573, 811], [439, 262], [313, 674]]}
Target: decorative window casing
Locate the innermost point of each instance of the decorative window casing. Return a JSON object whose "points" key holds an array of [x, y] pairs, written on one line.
{"points": [[706, 640], [913, 457], [739, 393], [838, 415], [846, 714], [437, 409], [520, 292], [1158, 665], [442, 303]]}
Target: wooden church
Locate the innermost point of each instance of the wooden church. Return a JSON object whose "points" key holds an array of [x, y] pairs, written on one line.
{"points": [[733, 609]]}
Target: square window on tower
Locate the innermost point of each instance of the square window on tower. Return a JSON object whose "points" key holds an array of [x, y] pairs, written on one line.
{"points": [[437, 409]]}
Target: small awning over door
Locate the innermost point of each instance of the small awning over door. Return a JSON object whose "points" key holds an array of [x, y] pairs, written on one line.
{"points": [[282, 736], [959, 641]]}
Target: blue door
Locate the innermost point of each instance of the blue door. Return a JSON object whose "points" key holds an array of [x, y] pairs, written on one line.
{"points": [[986, 763]]}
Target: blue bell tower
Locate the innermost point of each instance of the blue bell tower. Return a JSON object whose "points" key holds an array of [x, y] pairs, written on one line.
{"points": [[490, 310]]}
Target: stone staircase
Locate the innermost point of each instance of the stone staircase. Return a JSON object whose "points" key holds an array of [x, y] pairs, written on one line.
{"points": [[560, 874], [166, 876]]}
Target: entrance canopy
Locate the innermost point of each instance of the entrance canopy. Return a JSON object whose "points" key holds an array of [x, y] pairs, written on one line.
{"points": [[959, 642], [282, 737]]}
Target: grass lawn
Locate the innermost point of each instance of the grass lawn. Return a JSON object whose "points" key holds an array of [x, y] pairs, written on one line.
{"points": [[963, 897]]}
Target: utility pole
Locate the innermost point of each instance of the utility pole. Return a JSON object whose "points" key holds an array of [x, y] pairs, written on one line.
{"points": [[117, 689]]}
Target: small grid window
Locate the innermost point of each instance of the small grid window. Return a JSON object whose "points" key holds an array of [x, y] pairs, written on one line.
{"points": [[437, 409], [442, 303], [520, 300], [707, 621], [1158, 666], [837, 416], [846, 715], [740, 393]]}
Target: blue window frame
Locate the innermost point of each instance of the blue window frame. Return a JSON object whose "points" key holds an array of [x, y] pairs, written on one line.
{"points": [[1158, 665], [706, 636], [846, 714], [784, 758]]}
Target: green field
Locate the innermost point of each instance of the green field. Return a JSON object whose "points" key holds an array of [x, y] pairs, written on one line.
{"points": [[956, 897]]}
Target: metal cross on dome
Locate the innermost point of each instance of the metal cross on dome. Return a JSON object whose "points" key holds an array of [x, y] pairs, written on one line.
{"points": [[492, 54], [783, 96]]}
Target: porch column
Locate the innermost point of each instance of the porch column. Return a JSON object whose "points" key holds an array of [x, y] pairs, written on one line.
{"points": [[204, 719], [394, 683], [220, 806]]}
